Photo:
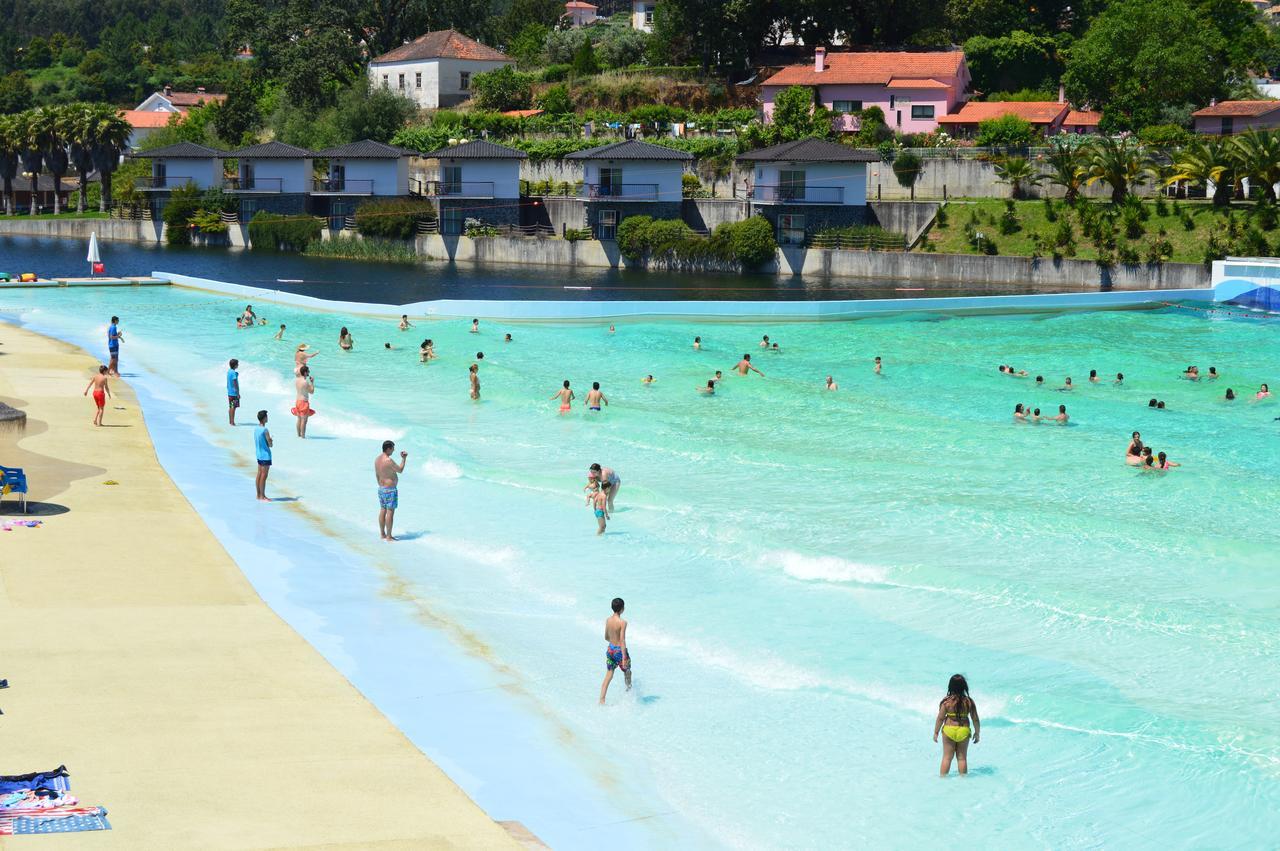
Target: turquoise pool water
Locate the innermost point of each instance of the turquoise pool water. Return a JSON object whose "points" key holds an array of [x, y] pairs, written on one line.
{"points": [[804, 569]]}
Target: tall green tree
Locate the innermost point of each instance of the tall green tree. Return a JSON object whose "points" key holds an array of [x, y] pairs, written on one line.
{"points": [[1017, 60], [1118, 162], [1257, 155], [1063, 167], [238, 116], [15, 93], [1209, 161], [31, 144], [58, 126], [10, 153]]}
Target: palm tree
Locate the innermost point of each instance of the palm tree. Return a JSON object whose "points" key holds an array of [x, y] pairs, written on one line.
{"points": [[1120, 163], [31, 145], [81, 146], [1016, 172], [1208, 160], [1257, 155], [57, 128], [1064, 169], [9, 147], [108, 134]]}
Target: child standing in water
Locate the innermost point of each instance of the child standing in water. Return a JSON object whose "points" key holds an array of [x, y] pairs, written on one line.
{"points": [[954, 712], [475, 381], [598, 499], [615, 635]]}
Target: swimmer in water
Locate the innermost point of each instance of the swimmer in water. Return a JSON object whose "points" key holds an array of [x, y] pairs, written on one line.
{"points": [[1119, 379], [345, 341], [475, 381], [386, 346], [697, 344], [1067, 387], [1264, 392], [1163, 463], [595, 397], [404, 322], [610, 329], [1159, 406], [424, 351], [1231, 395], [954, 714], [831, 384], [719, 377], [1192, 373], [1062, 416], [710, 389], [1035, 417], [479, 355], [475, 326], [280, 333], [1039, 380], [1152, 403], [1093, 376], [647, 380], [1213, 374], [876, 368], [506, 339], [745, 364], [776, 350], [1019, 415], [764, 343], [1133, 455], [566, 397]]}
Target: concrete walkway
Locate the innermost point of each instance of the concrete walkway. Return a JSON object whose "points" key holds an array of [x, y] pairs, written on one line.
{"points": [[140, 656]]}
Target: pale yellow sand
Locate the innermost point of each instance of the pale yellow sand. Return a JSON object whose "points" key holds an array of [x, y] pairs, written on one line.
{"points": [[140, 657]]}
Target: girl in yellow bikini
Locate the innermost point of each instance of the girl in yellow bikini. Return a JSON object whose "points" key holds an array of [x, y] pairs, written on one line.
{"points": [[954, 712]]}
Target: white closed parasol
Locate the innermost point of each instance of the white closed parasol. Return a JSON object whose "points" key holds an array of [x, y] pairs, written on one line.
{"points": [[93, 257]]}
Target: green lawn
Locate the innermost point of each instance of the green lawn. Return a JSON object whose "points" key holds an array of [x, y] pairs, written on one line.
{"points": [[1188, 245]]}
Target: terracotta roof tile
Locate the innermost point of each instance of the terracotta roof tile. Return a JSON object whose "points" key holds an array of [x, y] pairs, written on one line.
{"points": [[523, 113], [145, 119], [443, 44], [188, 99], [872, 68], [1238, 109], [1077, 118], [578, 4], [1036, 112], [904, 83]]}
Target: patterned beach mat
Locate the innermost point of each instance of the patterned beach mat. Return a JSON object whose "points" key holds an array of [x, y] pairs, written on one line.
{"points": [[68, 820]]}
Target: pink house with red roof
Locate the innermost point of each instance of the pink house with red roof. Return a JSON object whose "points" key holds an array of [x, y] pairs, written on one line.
{"points": [[913, 89]]}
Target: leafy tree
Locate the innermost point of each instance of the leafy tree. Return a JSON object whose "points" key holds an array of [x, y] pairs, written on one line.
{"points": [[32, 129], [1012, 131], [561, 45], [238, 116], [57, 131], [1140, 55], [795, 116], [529, 45], [10, 150], [378, 114], [1015, 61], [584, 60], [504, 88], [523, 13], [971, 18], [1118, 162], [906, 168], [37, 54], [1165, 136], [752, 240], [622, 46], [1018, 173], [556, 100], [15, 93], [386, 24]]}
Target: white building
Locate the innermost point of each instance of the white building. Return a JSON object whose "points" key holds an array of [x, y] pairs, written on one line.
{"points": [[179, 165], [642, 14], [632, 171], [272, 168], [479, 180], [170, 101], [435, 69], [807, 185], [580, 14], [364, 168]]}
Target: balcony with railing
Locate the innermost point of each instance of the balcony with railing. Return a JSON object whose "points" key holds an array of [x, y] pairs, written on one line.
{"points": [[790, 193], [255, 184], [161, 182], [342, 186], [846, 123], [459, 188], [620, 191]]}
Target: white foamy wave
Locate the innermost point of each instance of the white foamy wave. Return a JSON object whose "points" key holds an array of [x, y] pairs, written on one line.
{"points": [[338, 423], [254, 379], [438, 468], [472, 550], [823, 568]]}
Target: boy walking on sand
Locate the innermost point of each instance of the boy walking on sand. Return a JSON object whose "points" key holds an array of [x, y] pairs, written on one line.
{"points": [[615, 634], [262, 445], [100, 393], [233, 390]]}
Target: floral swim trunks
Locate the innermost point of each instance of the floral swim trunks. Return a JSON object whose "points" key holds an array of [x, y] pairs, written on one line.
{"points": [[388, 498], [616, 657]]}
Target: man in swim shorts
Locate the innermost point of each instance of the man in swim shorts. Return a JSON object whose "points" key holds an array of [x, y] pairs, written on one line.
{"points": [[305, 386], [100, 393], [387, 472], [745, 364], [565, 395], [616, 655], [595, 397], [233, 390]]}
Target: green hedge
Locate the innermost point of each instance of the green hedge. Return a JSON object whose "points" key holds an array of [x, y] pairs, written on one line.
{"points": [[643, 239], [283, 233], [393, 218]]}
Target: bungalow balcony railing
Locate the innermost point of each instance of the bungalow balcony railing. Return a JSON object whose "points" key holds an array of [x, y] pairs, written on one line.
{"points": [[161, 181], [790, 193], [342, 186], [256, 184], [459, 188], [621, 191]]}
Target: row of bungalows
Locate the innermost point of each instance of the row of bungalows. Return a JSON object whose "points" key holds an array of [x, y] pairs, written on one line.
{"points": [[799, 186]]}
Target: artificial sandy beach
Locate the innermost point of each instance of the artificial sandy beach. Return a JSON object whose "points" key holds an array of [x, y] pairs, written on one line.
{"points": [[141, 657]]}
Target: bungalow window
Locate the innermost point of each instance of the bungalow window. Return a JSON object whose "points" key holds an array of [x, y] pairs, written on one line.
{"points": [[1228, 125], [607, 226], [844, 107], [791, 185], [452, 180], [454, 219], [417, 80], [158, 172], [922, 112], [610, 182], [464, 81], [402, 82], [791, 229]]}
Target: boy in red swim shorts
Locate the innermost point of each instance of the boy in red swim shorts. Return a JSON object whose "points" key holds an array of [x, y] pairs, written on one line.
{"points": [[98, 384]]}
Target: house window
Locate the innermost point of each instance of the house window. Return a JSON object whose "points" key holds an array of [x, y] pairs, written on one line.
{"points": [[402, 82], [648, 16], [1228, 125], [607, 225], [248, 208], [922, 112], [791, 229], [246, 175], [897, 117], [791, 185], [158, 172], [892, 101], [610, 182], [454, 219], [417, 80], [844, 107], [385, 84], [337, 177], [452, 182], [464, 81]]}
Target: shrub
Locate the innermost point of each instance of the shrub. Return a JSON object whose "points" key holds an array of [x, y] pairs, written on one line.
{"points": [[393, 218], [577, 234], [1159, 249], [1184, 216], [557, 73], [691, 186], [1162, 206], [940, 219], [1164, 136], [632, 235], [1064, 237], [752, 240], [749, 243], [556, 100], [1050, 210], [1009, 218], [1264, 216], [906, 168], [283, 233], [1009, 131], [502, 89], [183, 203], [209, 221], [1132, 222], [584, 60], [373, 250]]}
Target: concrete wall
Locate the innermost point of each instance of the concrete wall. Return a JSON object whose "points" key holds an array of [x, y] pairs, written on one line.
{"points": [[965, 178], [115, 230], [519, 251], [560, 213], [905, 217], [707, 213], [557, 171]]}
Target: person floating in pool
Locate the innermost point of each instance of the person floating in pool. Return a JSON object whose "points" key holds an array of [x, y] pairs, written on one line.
{"points": [[1264, 392], [1213, 374], [566, 397], [647, 380], [876, 369], [764, 342], [1062, 416], [611, 329], [710, 389], [1039, 381], [775, 349], [507, 338], [616, 656], [280, 333], [475, 326], [1163, 464], [596, 473], [1019, 413], [1192, 373], [1133, 455], [1035, 417], [831, 383], [304, 386], [595, 398], [405, 324], [697, 344], [387, 472], [1231, 395], [475, 381], [745, 364], [1068, 386], [101, 391], [1119, 379], [719, 377], [954, 714], [345, 341]]}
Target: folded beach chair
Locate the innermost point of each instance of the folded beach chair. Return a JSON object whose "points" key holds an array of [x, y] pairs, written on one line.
{"points": [[14, 480]]}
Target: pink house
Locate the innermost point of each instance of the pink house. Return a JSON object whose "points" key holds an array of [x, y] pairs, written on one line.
{"points": [[913, 89], [1236, 116]]}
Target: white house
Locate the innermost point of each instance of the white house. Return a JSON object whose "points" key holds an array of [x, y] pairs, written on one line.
{"points": [[364, 168], [181, 164], [271, 168], [642, 14], [170, 101], [435, 69], [806, 185], [479, 180], [580, 14], [632, 171]]}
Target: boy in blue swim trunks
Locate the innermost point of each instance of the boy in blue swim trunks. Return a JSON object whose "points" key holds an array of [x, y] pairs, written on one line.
{"points": [[615, 634], [599, 501]]}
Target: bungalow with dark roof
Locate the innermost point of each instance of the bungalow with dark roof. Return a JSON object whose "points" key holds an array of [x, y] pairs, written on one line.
{"points": [[807, 185], [435, 69], [358, 171], [173, 166], [629, 178], [271, 176], [912, 89], [479, 180], [1236, 116]]}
